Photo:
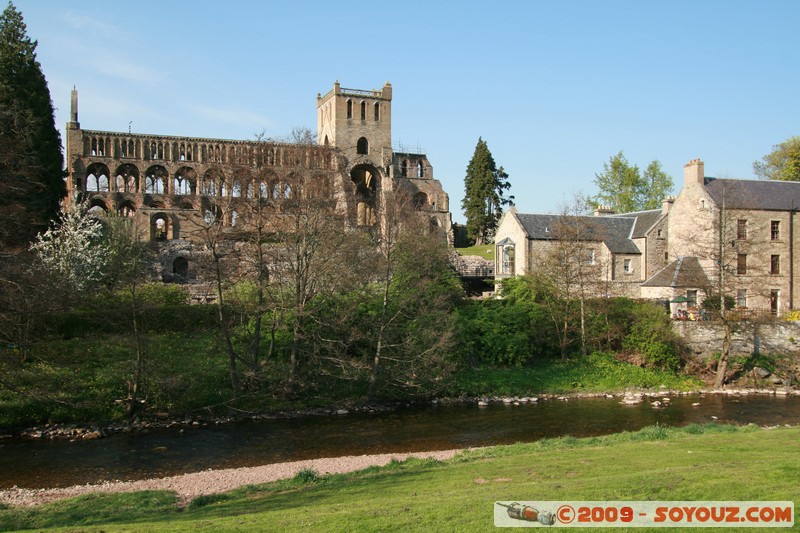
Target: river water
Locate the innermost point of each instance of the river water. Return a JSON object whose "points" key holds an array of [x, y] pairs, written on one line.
{"points": [[163, 452]]}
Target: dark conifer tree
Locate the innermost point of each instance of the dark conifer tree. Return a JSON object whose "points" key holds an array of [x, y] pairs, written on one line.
{"points": [[483, 201], [31, 163]]}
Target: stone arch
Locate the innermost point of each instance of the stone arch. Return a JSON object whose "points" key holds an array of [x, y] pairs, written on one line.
{"points": [[126, 209], [362, 146], [180, 269], [163, 227], [127, 178], [211, 181], [420, 200], [185, 181], [97, 178], [98, 207], [366, 179], [156, 180]]}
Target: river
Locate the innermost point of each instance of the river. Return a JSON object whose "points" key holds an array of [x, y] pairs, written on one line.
{"points": [[163, 452]]}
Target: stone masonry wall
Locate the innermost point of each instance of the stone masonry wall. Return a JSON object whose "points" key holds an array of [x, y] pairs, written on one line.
{"points": [[705, 338]]}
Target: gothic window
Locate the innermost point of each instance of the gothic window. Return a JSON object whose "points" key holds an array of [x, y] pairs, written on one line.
{"points": [[363, 110], [404, 168], [362, 147], [420, 171], [377, 109], [349, 109]]}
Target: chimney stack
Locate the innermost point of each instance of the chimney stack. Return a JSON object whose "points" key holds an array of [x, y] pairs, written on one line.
{"points": [[694, 172]]}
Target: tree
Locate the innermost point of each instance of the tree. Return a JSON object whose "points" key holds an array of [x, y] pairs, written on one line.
{"points": [[624, 189], [782, 163], [31, 164], [484, 187]]}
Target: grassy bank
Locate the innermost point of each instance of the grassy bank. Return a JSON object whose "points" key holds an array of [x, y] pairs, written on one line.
{"points": [[80, 381], [693, 463]]}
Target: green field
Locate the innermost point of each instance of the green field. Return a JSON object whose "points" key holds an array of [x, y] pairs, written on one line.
{"points": [[708, 462], [484, 250]]}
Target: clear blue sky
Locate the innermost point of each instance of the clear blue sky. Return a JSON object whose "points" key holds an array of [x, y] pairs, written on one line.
{"points": [[555, 88]]}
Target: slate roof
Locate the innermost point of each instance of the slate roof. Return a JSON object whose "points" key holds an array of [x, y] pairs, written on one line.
{"points": [[644, 221], [615, 232], [684, 272], [769, 195]]}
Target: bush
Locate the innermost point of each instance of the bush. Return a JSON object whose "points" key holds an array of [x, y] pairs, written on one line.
{"points": [[651, 336]]}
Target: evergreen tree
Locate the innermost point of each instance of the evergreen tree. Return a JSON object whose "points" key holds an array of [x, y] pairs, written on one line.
{"points": [[483, 200], [31, 164]]}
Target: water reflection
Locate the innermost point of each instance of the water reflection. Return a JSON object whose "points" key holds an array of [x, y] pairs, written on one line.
{"points": [[171, 451]]}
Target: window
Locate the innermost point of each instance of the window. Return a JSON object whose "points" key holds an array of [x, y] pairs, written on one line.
{"points": [[775, 230], [349, 109], [741, 264], [741, 298], [627, 267], [507, 259], [362, 146], [590, 257], [774, 300], [363, 111], [691, 298], [377, 111], [660, 234], [775, 264], [741, 229]]}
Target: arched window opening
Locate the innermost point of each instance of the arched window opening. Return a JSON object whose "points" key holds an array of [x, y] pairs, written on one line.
{"points": [[236, 189], [362, 147], [363, 110], [420, 200], [155, 180], [404, 168], [127, 210], [101, 147], [365, 180], [326, 143], [121, 150], [349, 109], [182, 156], [94, 147], [263, 190], [377, 110], [160, 227], [182, 186], [152, 150], [234, 218], [420, 169], [277, 191], [287, 192], [96, 211], [180, 269], [102, 183], [127, 179]]}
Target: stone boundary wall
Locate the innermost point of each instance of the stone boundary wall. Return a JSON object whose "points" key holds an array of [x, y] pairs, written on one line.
{"points": [[705, 338]]}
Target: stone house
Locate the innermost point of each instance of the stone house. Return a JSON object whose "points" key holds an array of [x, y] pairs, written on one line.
{"points": [[168, 185], [735, 237]]}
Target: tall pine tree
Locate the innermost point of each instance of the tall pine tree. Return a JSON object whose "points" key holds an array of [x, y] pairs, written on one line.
{"points": [[31, 164], [484, 186]]}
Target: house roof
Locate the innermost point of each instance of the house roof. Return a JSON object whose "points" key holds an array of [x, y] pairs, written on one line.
{"points": [[770, 195], [615, 232], [684, 272], [645, 220]]}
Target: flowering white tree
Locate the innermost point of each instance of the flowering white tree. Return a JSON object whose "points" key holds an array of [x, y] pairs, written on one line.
{"points": [[74, 249]]}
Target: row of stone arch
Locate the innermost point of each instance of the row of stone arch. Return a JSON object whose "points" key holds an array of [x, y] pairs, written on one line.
{"points": [[186, 182], [240, 153]]}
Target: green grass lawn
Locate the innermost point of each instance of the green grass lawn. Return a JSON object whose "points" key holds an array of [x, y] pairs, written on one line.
{"points": [[485, 250], [693, 463]]}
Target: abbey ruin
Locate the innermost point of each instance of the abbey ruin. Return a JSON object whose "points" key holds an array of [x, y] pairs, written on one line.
{"points": [[170, 185]]}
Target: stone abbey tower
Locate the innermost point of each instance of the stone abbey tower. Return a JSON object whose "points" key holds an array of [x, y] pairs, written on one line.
{"points": [[169, 184]]}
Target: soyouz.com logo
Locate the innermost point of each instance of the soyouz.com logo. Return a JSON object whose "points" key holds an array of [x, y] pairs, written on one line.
{"points": [[644, 514]]}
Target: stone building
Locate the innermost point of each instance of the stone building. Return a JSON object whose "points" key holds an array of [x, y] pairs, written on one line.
{"points": [[169, 184], [735, 237]]}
